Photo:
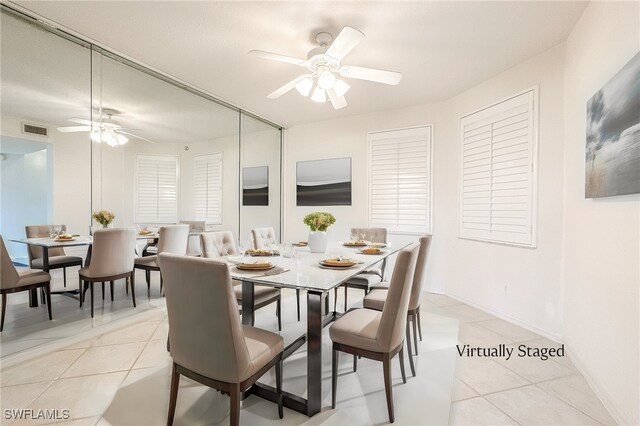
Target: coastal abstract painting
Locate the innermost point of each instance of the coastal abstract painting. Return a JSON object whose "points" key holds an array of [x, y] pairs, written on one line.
{"points": [[255, 186], [613, 135], [324, 182]]}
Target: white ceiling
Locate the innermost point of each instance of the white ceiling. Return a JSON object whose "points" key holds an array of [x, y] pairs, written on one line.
{"points": [[442, 48]]}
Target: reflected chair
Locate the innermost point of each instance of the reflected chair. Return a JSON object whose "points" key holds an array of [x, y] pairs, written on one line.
{"points": [[220, 244], [378, 296], [111, 258], [377, 335], [57, 256], [208, 342], [14, 280], [263, 238], [372, 276], [171, 239], [193, 242]]}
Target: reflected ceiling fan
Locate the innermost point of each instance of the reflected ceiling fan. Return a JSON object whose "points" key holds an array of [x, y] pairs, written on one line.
{"points": [[324, 65], [106, 130]]}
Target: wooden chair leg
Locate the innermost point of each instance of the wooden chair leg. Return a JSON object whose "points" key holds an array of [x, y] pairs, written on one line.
{"points": [[102, 290], [335, 299], [80, 295], [415, 333], [234, 419], [64, 275], [386, 366], [173, 397], [4, 310], [401, 356], [279, 387], [126, 285], [355, 363], [42, 296], [278, 313], [91, 290], [298, 302], [161, 283], [408, 340], [112, 291], [48, 289], [132, 281], [419, 325], [334, 377]]}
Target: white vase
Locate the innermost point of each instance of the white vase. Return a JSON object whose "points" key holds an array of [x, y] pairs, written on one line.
{"points": [[317, 242]]}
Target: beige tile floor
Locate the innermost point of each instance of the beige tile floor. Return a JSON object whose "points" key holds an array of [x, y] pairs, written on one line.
{"points": [[121, 377]]}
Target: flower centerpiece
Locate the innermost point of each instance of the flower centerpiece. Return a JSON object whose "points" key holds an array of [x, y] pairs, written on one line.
{"points": [[318, 222], [103, 217]]}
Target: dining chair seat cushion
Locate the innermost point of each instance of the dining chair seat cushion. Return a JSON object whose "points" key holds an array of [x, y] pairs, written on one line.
{"points": [[358, 328], [260, 293], [383, 285], [150, 261], [365, 279], [263, 346], [31, 276], [375, 299], [56, 261]]}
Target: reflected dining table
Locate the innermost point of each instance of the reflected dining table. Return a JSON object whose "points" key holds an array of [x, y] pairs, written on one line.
{"points": [[306, 274]]}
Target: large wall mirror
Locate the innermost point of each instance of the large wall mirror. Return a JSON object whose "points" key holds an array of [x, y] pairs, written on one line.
{"points": [[83, 129]]}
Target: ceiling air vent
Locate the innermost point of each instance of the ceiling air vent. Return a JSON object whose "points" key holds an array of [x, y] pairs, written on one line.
{"points": [[34, 129]]}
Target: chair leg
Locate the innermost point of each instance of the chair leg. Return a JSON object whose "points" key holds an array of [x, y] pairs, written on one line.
{"points": [[415, 332], [298, 302], [386, 366], [126, 284], [64, 275], [334, 377], [408, 340], [48, 289], [173, 397], [112, 291], [345, 298], [42, 296], [80, 290], [335, 299], [401, 356], [234, 419], [355, 363], [91, 290], [161, 283], [419, 325], [102, 290], [278, 313], [132, 281], [279, 387], [4, 310]]}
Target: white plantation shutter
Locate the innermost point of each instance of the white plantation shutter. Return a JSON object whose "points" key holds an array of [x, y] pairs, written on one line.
{"points": [[157, 188], [208, 188], [498, 172], [400, 180]]}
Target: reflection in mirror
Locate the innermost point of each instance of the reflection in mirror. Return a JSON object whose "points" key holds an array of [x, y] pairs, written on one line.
{"points": [[260, 163], [45, 169], [163, 154]]}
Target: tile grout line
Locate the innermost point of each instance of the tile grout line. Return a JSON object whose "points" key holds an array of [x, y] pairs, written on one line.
{"points": [[567, 402]]}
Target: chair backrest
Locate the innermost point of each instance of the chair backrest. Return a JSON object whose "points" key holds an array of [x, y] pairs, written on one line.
{"points": [[41, 231], [374, 235], [204, 324], [263, 237], [194, 225], [418, 276], [193, 241], [218, 244], [394, 312], [8, 273], [112, 253], [173, 239]]}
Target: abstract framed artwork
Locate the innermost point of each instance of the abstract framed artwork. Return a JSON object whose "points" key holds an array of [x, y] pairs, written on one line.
{"points": [[613, 135], [255, 186], [323, 182]]}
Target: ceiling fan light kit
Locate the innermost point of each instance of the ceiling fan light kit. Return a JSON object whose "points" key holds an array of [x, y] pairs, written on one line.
{"points": [[324, 64], [105, 130]]}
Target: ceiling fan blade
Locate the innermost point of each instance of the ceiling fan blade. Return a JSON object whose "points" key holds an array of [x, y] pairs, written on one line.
{"points": [[344, 43], [80, 121], [70, 129], [276, 57], [284, 89], [371, 74], [337, 102], [135, 136]]}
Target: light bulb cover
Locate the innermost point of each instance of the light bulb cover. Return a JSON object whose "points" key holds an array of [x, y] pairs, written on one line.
{"points": [[121, 139], [319, 95], [304, 86], [326, 80], [341, 88]]}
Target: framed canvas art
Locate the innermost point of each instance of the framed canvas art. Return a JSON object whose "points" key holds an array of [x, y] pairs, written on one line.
{"points": [[255, 186], [323, 182]]}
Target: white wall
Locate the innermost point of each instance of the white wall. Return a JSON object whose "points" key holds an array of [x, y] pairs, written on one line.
{"points": [[602, 249]]}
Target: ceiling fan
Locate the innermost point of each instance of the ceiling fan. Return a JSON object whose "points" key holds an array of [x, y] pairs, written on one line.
{"points": [[106, 130], [324, 65]]}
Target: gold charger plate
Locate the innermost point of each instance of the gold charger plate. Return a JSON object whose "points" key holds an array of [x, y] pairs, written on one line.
{"points": [[354, 244], [263, 266]]}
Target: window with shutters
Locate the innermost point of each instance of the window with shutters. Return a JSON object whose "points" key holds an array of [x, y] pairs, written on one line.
{"points": [[400, 179], [157, 178], [498, 172], [208, 188]]}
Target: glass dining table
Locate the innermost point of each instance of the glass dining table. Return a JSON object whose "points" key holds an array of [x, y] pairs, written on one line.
{"points": [[307, 274]]}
